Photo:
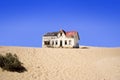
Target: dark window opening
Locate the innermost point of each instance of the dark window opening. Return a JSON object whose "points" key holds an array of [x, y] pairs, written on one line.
{"points": [[65, 42], [60, 34], [47, 42], [56, 42]]}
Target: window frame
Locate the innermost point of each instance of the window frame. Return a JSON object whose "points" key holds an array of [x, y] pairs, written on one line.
{"points": [[70, 42], [56, 42], [65, 42]]}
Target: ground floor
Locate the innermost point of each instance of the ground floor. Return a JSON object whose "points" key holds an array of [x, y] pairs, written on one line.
{"points": [[70, 43]]}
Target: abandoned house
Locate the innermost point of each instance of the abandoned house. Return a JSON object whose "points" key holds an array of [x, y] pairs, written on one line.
{"points": [[62, 39]]}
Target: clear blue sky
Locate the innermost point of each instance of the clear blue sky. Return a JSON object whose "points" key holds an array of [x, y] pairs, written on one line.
{"points": [[23, 22]]}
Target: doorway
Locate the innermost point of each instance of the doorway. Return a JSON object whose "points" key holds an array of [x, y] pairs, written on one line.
{"points": [[60, 43]]}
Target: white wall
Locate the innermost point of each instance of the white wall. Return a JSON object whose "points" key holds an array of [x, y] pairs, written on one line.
{"points": [[63, 42], [76, 41]]}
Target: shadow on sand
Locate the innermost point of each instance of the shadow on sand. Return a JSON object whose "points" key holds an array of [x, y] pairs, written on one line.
{"points": [[84, 47]]}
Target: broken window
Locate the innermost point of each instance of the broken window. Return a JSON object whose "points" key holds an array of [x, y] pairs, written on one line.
{"points": [[56, 42], [47, 42], [69, 42], [65, 42], [60, 34], [52, 42]]}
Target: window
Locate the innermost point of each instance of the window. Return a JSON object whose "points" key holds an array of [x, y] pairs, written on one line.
{"points": [[60, 34], [69, 42], [56, 42], [47, 42], [52, 42], [65, 42]]}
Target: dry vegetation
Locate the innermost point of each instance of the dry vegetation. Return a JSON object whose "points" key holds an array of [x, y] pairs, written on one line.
{"points": [[11, 62]]}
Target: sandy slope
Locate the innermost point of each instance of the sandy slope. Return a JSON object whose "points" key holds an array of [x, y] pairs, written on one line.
{"points": [[65, 64]]}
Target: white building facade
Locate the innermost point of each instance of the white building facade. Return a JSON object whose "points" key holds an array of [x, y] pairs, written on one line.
{"points": [[61, 39]]}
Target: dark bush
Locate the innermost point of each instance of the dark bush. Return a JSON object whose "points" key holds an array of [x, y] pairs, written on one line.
{"points": [[11, 62]]}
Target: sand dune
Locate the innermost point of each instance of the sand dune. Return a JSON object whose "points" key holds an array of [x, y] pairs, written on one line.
{"points": [[86, 63]]}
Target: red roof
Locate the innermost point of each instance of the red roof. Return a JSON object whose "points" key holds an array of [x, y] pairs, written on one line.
{"points": [[72, 34]]}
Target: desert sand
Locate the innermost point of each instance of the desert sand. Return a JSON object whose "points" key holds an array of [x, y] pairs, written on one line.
{"points": [[85, 63]]}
